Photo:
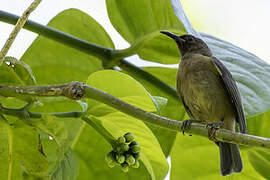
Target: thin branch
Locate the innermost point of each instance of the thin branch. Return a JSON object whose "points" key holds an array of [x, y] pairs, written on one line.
{"points": [[77, 90], [20, 23], [73, 90], [20, 113]]}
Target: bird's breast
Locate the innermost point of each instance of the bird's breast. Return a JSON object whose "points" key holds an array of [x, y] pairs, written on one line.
{"points": [[202, 89]]}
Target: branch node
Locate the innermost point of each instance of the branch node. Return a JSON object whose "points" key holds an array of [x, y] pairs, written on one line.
{"points": [[74, 90]]}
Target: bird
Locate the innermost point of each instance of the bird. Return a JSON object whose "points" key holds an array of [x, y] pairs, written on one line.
{"points": [[210, 95]]}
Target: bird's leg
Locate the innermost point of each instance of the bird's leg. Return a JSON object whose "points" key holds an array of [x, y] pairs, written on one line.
{"points": [[187, 124], [212, 128]]}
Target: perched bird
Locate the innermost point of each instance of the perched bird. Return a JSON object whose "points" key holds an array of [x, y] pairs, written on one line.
{"points": [[209, 95]]}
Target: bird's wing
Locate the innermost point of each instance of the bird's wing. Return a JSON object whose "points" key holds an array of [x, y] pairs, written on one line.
{"points": [[186, 107], [233, 93]]}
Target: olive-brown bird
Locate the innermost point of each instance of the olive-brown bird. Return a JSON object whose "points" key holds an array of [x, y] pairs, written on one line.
{"points": [[210, 95]]}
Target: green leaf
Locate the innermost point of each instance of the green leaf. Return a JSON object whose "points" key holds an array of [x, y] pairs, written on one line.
{"points": [[14, 72], [68, 168], [196, 157], [19, 151], [117, 123], [140, 22], [53, 62], [259, 125], [173, 109], [160, 103], [261, 161]]}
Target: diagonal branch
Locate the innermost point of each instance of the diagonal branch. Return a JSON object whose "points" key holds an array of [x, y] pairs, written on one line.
{"points": [[77, 90]]}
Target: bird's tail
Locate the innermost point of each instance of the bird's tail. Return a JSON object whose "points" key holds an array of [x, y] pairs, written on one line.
{"points": [[230, 159]]}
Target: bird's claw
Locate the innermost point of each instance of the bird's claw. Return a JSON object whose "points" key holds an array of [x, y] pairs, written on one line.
{"points": [[212, 128], [187, 124]]}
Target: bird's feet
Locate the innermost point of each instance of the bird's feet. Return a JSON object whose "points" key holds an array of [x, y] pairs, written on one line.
{"points": [[212, 128], [187, 124]]}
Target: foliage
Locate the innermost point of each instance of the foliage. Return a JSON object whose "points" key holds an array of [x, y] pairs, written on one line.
{"points": [[68, 148]]}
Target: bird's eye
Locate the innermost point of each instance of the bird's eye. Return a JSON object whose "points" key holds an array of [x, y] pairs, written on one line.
{"points": [[191, 39]]}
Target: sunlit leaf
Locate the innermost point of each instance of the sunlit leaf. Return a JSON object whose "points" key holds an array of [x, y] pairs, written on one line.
{"points": [[140, 22]]}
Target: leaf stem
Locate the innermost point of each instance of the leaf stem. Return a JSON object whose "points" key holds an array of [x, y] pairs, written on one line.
{"points": [[18, 26], [97, 125], [76, 88]]}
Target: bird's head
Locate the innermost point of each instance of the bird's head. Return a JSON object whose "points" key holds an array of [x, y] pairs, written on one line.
{"points": [[189, 44]]}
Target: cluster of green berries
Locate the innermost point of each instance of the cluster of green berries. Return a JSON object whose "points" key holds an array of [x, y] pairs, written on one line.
{"points": [[126, 153]]}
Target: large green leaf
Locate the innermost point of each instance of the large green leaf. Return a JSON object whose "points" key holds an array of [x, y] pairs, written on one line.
{"points": [[140, 21], [53, 62], [259, 125], [19, 151], [261, 161], [68, 168], [117, 123]]}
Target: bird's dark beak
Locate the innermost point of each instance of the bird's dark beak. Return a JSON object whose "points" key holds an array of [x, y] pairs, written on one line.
{"points": [[173, 36]]}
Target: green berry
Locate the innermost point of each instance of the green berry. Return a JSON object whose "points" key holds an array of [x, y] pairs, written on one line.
{"points": [[129, 137], [135, 149], [120, 158], [119, 149], [124, 147], [124, 167], [110, 157], [133, 143], [137, 155], [111, 164], [121, 140], [136, 165], [130, 159]]}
